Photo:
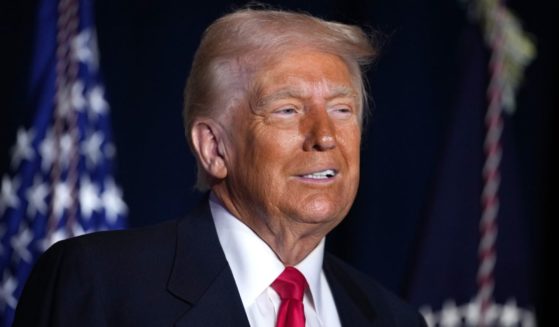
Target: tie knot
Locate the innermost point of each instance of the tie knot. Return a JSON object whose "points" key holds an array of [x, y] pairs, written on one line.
{"points": [[290, 284]]}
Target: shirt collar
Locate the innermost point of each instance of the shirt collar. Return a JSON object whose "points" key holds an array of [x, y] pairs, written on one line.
{"points": [[253, 263]]}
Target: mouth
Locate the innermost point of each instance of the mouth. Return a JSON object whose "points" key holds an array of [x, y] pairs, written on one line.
{"points": [[321, 175]]}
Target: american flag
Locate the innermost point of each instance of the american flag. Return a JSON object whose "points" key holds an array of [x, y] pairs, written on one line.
{"points": [[60, 182]]}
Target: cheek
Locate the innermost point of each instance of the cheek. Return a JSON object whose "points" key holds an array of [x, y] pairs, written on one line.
{"points": [[273, 147], [349, 141], [262, 158], [351, 149]]}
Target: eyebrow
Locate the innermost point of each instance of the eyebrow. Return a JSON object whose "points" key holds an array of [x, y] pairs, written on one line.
{"points": [[337, 91]]}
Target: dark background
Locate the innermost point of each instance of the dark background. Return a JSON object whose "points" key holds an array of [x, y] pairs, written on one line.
{"points": [[146, 47]]}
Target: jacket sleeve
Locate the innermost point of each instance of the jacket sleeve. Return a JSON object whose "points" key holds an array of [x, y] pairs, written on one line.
{"points": [[61, 290]]}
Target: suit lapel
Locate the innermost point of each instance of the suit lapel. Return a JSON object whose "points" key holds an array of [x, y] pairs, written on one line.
{"points": [[201, 276], [353, 304]]}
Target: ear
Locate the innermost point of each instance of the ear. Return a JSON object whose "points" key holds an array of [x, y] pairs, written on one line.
{"points": [[209, 150]]}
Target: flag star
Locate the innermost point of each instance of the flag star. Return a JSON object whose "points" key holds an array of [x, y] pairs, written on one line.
{"points": [[71, 98], [112, 201], [23, 150], [97, 102], [84, 48], [8, 195], [428, 315], [36, 198], [510, 314], [62, 198], [47, 151], [450, 316], [77, 230], [78, 100], [20, 243], [91, 148], [472, 313], [58, 235], [7, 289], [89, 198]]}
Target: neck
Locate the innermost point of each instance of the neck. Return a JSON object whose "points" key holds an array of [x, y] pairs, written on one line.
{"points": [[290, 249], [290, 240]]}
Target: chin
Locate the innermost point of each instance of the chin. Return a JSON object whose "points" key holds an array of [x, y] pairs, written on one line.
{"points": [[322, 211]]}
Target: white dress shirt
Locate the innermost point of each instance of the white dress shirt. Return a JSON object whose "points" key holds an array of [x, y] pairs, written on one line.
{"points": [[255, 266]]}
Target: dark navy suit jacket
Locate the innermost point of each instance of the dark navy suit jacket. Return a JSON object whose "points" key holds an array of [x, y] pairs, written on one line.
{"points": [[172, 274]]}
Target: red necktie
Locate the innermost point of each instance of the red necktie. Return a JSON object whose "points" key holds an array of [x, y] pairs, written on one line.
{"points": [[290, 285]]}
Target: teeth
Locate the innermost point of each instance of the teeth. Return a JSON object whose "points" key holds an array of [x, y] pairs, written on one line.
{"points": [[328, 173]]}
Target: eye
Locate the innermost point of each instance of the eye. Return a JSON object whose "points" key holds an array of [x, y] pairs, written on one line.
{"points": [[341, 111], [286, 111]]}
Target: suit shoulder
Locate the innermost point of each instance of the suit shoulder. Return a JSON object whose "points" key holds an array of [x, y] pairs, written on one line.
{"points": [[364, 289], [112, 252], [136, 239]]}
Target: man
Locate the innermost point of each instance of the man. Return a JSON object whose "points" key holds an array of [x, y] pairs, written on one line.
{"points": [[274, 106]]}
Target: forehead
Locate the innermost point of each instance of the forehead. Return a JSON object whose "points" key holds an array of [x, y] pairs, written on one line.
{"points": [[304, 73], [327, 91]]}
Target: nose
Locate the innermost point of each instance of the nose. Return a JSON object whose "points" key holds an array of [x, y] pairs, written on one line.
{"points": [[319, 131]]}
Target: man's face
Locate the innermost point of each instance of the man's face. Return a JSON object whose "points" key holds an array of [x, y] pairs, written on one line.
{"points": [[293, 154]]}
